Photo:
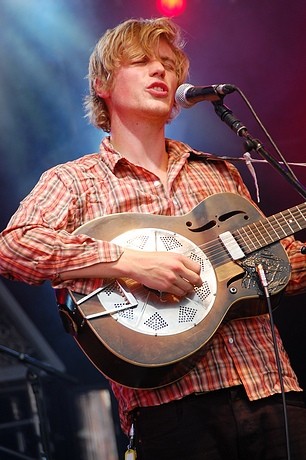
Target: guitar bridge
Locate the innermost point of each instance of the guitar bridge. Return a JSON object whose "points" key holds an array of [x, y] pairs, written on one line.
{"points": [[231, 246]]}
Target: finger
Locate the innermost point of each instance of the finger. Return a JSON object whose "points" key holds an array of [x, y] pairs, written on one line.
{"points": [[184, 285], [192, 265], [194, 279], [192, 274], [177, 291]]}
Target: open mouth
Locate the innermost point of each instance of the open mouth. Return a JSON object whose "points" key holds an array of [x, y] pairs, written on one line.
{"points": [[158, 88]]}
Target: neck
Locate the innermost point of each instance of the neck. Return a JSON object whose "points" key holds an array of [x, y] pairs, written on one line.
{"points": [[142, 144]]}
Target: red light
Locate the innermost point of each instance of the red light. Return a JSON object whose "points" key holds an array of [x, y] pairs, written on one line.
{"points": [[171, 7]]}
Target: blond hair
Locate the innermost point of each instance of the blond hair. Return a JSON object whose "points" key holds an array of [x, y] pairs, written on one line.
{"points": [[131, 39]]}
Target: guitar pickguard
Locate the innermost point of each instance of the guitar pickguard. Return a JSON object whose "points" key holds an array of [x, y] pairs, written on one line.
{"points": [[277, 271], [161, 313]]}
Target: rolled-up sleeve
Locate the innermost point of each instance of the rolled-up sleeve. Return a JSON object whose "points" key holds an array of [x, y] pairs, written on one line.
{"points": [[39, 241]]}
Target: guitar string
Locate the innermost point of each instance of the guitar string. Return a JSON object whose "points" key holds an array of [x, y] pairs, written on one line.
{"points": [[214, 249], [263, 236], [253, 228]]}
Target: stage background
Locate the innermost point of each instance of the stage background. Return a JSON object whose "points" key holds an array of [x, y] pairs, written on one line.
{"points": [[44, 49]]}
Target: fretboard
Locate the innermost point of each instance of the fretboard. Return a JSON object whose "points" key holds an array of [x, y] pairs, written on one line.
{"points": [[271, 229]]}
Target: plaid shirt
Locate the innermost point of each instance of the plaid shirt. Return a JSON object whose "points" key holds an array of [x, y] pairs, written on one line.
{"points": [[39, 243]]}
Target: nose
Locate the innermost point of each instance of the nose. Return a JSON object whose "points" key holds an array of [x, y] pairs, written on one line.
{"points": [[157, 68]]}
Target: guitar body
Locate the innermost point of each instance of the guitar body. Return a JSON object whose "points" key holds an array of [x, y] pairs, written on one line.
{"points": [[155, 338]]}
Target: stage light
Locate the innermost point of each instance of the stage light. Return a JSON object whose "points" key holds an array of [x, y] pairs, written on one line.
{"points": [[171, 7]]}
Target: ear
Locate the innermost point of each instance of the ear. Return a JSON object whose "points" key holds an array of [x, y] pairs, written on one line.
{"points": [[100, 89]]}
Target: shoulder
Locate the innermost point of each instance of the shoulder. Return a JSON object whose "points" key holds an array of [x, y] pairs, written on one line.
{"points": [[194, 154], [84, 162], [71, 170]]}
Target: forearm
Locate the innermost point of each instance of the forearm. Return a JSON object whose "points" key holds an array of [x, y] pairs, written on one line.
{"points": [[38, 254], [162, 271]]}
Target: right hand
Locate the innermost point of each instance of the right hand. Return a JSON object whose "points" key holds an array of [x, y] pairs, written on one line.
{"points": [[162, 271]]}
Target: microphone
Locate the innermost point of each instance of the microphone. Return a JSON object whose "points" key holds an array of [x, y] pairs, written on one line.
{"points": [[187, 95]]}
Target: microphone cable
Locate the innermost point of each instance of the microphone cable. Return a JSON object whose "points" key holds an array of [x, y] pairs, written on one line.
{"points": [[263, 280]]}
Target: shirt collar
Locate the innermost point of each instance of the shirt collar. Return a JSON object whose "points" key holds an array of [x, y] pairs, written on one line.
{"points": [[177, 151]]}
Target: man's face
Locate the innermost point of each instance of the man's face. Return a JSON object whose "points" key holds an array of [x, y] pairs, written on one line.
{"points": [[145, 88]]}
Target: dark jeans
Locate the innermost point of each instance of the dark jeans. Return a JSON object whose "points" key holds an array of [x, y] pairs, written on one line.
{"points": [[221, 425]]}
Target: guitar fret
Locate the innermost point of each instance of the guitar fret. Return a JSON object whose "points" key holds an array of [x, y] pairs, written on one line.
{"points": [[247, 243], [290, 221], [253, 228], [269, 230], [287, 223], [264, 240], [299, 227], [279, 227], [300, 212], [253, 238], [251, 243], [277, 236]]}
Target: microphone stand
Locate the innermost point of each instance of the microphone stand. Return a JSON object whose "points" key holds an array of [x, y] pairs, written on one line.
{"points": [[34, 377], [251, 143]]}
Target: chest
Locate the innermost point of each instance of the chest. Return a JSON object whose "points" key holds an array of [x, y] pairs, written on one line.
{"points": [[131, 190]]}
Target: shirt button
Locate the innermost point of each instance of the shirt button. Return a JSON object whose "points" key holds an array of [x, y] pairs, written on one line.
{"points": [[156, 183], [231, 340]]}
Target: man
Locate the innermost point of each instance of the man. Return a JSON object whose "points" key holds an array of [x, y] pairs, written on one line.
{"points": [[228, 406]]}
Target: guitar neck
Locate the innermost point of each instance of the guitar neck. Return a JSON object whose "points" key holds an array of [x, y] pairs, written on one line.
{"points": [[271, 229]]}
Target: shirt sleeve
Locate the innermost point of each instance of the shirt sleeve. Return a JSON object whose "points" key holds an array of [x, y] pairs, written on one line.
{"points": [[39, 243], [297, 283]]}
